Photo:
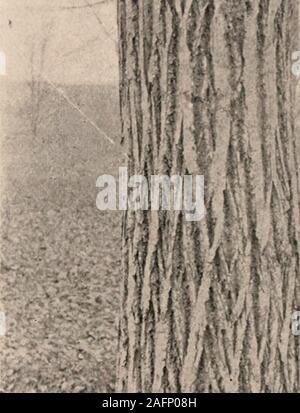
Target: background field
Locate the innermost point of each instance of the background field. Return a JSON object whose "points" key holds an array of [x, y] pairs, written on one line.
{"points": [[60, 256]]}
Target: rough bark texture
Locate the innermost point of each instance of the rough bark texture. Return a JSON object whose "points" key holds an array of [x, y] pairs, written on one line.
{"points": [[206, 88]]}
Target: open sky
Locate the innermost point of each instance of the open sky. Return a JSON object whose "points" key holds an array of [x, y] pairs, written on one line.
{"points": [[81, 39]]}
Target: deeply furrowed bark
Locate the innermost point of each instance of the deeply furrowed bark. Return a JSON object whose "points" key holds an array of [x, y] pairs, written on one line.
{"points": [[206, 88]]}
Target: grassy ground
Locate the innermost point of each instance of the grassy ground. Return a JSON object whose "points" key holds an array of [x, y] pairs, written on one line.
{"points": [[60, 256]]}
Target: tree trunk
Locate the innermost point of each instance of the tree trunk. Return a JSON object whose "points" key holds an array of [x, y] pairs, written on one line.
{"points": [[206, 88]]}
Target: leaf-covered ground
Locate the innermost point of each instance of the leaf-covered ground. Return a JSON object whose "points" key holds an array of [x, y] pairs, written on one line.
{"points": [[59, 283]]}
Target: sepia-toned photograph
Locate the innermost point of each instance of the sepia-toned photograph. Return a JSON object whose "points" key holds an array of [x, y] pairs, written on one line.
{"points": [[149, 198]]}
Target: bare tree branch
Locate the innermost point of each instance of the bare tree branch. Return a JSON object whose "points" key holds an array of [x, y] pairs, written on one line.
{"points": [[91, 6], [84, 6]]}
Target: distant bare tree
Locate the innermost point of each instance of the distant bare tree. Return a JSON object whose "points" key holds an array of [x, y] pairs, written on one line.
{"points": [[37, 86]]}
